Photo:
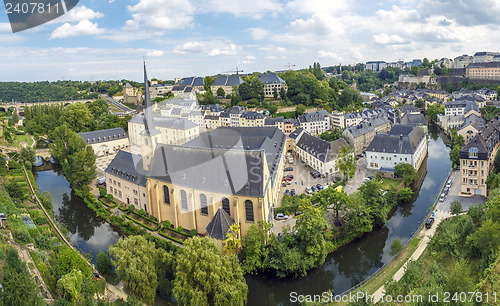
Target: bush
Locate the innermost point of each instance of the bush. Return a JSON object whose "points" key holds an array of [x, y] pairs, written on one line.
{"points": [[109, 197], [180, 229], [28, 164], [141, 212], [396, 247], [102, 192], [285, 201], [152, 218], [193, 232], [34, 233], [22, 235], [166, 223], [456, 207], [131, 208]]}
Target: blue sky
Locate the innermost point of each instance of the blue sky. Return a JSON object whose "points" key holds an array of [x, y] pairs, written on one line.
{"points": [[107, 39]]}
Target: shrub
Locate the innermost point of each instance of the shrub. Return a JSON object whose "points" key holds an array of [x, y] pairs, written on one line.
{"points": [[152, 218], [102, 192], [22, 235], [141, 212], [285, 201], [131, 208], [109, 197], [193, 232], [180, 229], [85, 188], [166, 223], [28, 164], [34, 233]]}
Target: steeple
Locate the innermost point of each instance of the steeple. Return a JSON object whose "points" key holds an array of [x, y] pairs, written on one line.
{"points": [[150, 135]]}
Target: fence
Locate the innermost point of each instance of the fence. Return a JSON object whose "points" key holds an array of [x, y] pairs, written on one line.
{"points": [[413, 235]]}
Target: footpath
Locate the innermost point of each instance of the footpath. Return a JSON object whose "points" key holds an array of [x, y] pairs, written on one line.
{"points": [[427, 235]]}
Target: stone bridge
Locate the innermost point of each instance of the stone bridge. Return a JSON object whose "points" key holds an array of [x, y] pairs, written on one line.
{"points": [[43, 153], [21, 106]]}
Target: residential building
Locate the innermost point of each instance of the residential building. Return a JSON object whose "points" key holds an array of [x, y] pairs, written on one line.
{"points": [[212, 122], [317, 153], [462, 61], [403, 144], [342, 121], [415, 120], [315, 123], [172, 130], [160, 90], [375, 66], [131, 95], [126, 180], [408, 110], [471, 126], [455, 108], [361, 135], [476, 159], [484, 57], [105, 142], [226, 82], [483, 71], [272, 82], [252, 119]]}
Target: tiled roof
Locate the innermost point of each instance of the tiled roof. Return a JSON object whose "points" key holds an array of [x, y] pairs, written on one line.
{"points": [[103, 135], [128, 166], [220, 225]]}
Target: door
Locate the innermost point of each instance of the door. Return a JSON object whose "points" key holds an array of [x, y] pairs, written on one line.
{"points": [[477, 192]]}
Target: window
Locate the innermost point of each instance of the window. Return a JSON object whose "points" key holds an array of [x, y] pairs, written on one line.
{"points": [[120, 194], [184, 200], [166, 195], [225, 205], [111, 190], [249, 210], [119, 185], [473, 152], [203, 203], [135, 201]]}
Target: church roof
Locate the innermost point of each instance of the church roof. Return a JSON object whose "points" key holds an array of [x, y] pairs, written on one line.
{"points": [[220, 225]]}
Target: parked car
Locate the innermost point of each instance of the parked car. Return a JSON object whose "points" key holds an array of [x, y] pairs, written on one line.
{"points": [[288, 169], [293, 192], [286, 178], [314, 188], [365, 180], [445, 190], [319, 186], [371, 177], [309, 190], [298, 213], [281, 216], [441, 198], [429, 222], [287, 192], [448, 184], [290, 176], [458, 167]]}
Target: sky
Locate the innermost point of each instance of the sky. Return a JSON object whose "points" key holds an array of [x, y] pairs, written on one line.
{"points": [[107, 39]]}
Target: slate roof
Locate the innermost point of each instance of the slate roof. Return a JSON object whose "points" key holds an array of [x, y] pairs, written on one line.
{"points": [[319, 148], [166, 122], [103, 135], [453, 104], [192, 81], [296, 133], [474, 120], [484, 65], [128, 166], [478, 142], [401, 139], [314, 116], [253, 115], [220, 225], [470, 106], [226, 160], [270, 78], [406, 109], [414, 119], [273, 121], [225, 80]]}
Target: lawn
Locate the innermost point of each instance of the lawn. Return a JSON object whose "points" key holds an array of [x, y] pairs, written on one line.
{"points": [[21, 138], [387, 183]]}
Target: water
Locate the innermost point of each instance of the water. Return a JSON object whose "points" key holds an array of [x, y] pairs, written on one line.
{"points": [[87, 232], [353, 263]]}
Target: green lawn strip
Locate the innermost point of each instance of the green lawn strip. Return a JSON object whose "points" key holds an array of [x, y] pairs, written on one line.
{"points": [[387, 183], [169, 237], [142, 221]]}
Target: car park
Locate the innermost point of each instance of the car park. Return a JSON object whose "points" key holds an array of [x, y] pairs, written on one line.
{"points": [[292, 193], [288, 169], [286, 178], [281, 216], [429, 222], [441, 198]]}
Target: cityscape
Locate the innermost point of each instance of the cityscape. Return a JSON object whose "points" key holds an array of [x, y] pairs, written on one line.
{"points": [[266, 171]]}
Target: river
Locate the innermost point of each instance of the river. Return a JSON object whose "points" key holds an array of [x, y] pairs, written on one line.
{"points": [[342, 270], [353, 263]]}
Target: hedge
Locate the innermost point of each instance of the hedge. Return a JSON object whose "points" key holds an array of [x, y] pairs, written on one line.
{"points": [[107, 205], [168, 237], [142, 224], [288, 210]]}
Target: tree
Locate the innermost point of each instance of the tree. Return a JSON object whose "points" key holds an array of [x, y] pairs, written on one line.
{"points": [[67, 260], [300, 109], [103, 262], [138, 263], [232, 243], [221, 92], [346, 162], [27, 154], [496, 163], [396, 247], [330, 196], [256, 254], [349, 97], [208, 81], [405, 194], [456, 207], [407, 172], [331, 135], [218, 279], [15, 190], [77, 116], [70, 286], [81, 167], [46, 200]]}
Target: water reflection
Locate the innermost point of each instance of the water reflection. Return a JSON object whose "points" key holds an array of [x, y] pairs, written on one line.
{"points": [[76, 218]]}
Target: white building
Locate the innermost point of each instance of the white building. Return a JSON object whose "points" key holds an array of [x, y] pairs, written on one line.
{"points": [[315, 123], [106, 141], [403, 144]]}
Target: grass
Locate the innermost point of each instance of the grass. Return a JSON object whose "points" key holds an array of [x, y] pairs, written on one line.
{"points": [[387, 183], [21, 138]]}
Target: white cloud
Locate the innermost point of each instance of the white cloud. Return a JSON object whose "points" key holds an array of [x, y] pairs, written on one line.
{"points": [[254, 8], [190, 47], [84, 27], [328, 55], [319, 6], [385, 39], [155, 53], [161, 14], [469, 13], [258, 33], [79, 13], [229, 49], [5, 27]]}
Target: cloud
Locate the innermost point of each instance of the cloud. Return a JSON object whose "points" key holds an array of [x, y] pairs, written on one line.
{"points": [[255, 8], [160, 15], [190, 47], [155, 53], [328, 55], [384, 39], [5, 27], [84, 27], [79, 13], [468, 13], [258, 33], [229, 49], [318, 6]]}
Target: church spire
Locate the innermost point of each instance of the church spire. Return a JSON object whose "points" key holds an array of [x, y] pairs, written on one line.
{"points": [[148, 108]]}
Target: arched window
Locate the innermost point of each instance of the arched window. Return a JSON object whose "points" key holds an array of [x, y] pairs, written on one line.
{"points": [[166, 195], [225, 205], [184, 200], [249, 210], [203, 203]]}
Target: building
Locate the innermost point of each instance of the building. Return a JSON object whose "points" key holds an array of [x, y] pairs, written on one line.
{"points": [[131, 95], [408, 110], [445, 62], [403, 144], [471, 126], [462, 61], [252, 119], [456, 112], [361, 135], [375, 66], [484, 57], [172, 130], [105, 142], [126, 180], [317, 153], [455, 108], [272, 82], [350, 119], [315, 123], [226, 83], [415, 120], [236, 169], [160, 90], [483, 71]]}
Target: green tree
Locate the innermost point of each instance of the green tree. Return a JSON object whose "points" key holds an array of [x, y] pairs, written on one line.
{"points": [[346, 162], [496, 163], [300, 109], [232, 245], [459, 279], [27, 154], [407, 172], [396, 247], [46, 199], [208, 81], [77, 116], [15, 190], [330, 196], [349, 97], [405, 194], [103, 262], [138, 263], [81, 167], [256, 253], [456, 207], [221, 92], [70, 286], [67, 260], [218, 279], [331, 135]]}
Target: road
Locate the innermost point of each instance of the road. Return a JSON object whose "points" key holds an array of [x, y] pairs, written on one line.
{"points": [[126, 110]]}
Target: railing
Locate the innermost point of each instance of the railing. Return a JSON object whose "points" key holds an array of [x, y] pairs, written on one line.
{"points": [[413, 235]]}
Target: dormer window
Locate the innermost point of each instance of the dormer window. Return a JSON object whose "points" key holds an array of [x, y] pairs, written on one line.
{"points": [[473, 152]]}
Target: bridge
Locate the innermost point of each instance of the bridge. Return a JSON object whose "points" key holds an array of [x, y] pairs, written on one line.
{"points": [[21, 106]]}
